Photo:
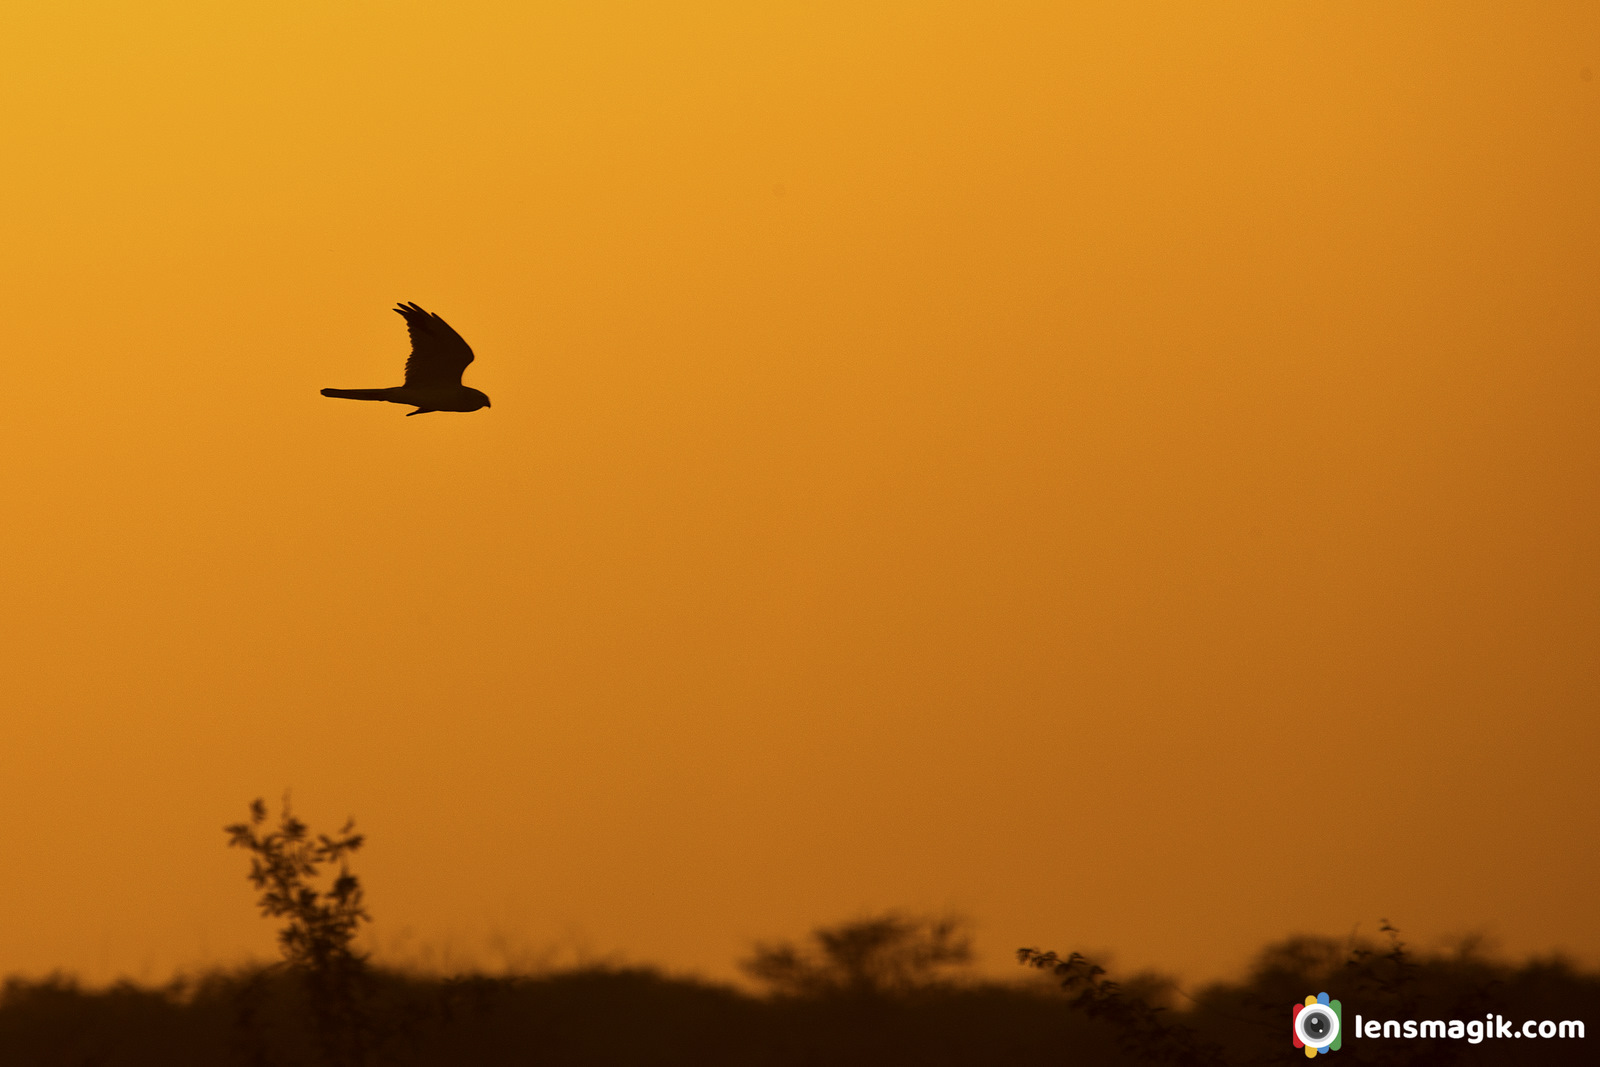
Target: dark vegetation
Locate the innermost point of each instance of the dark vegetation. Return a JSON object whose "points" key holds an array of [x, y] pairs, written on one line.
{"points": [[882, 990], [318, 934]]}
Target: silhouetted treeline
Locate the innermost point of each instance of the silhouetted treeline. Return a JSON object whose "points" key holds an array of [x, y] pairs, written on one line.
{"points": [[588, 1017], [882, 991]]}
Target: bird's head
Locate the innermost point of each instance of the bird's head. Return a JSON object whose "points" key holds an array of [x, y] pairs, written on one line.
{"points": [[481, 398]]}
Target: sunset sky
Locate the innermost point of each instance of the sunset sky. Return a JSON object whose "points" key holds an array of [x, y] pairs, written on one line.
{"points": [[1127, 472]]}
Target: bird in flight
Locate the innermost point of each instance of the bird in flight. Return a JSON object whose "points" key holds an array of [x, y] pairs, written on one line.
{"points": [[433, 370]]}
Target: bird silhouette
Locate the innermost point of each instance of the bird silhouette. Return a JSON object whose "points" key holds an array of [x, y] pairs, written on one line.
{"points": [[433, 370]]}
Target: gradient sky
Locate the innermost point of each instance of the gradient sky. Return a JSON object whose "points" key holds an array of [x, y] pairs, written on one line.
{"points": [[1126, 471]]}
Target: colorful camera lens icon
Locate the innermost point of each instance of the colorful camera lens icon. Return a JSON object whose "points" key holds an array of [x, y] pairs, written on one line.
{"points": [[1316, 1025]]}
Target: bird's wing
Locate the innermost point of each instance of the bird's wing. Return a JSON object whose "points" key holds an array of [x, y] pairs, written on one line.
{"points": [[438, 354]]}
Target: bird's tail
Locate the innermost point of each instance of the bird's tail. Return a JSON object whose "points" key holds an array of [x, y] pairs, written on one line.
{"points": [[358, 394]]}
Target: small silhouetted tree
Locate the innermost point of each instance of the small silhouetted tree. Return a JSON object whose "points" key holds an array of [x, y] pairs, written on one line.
{"points": [[1144, 1030], [1391, 976], [318, 934], [885, 955]]}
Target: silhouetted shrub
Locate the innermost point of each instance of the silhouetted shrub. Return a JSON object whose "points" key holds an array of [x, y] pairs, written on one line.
{"points": [[1248, 1022], [1145, 1031], [882, 956], [319, 931]]}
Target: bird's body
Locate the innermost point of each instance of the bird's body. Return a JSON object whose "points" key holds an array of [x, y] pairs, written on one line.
{"points": [[424, 398], [433, 371]]}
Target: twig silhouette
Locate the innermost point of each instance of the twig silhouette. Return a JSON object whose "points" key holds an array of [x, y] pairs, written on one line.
{"points": [[1142, 1028]]}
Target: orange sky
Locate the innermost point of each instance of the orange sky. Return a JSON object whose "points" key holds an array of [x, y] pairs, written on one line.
{"points": [[1131, 475]]}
